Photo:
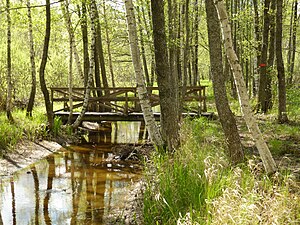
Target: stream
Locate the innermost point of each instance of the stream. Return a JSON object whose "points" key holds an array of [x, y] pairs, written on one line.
{"points": [[76, 185]]}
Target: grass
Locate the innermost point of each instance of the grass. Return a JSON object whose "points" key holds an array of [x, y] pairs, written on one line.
{"points": [[23, 127], [197, 185]]}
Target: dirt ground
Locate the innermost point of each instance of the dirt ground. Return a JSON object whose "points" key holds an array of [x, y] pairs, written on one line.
{"points": [[24, 154]]}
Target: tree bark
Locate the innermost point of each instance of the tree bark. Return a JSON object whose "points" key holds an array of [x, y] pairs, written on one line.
{"points": [[85, 42], [151, 125], [68, 21], [262, 103], [44, 89], [99, 47], [166, 81], [8, 75], [292, 42], [235, 151], [32, 62], [282, 113], [259, 46], [78, 120], [108, 45], [246, 110], [143, 52]]}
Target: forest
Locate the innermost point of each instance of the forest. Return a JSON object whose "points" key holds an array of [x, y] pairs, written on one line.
{"points": [[241, 166]]}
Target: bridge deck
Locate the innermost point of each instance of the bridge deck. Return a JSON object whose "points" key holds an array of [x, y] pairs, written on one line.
{"points": [[112, 116], [121, 103]]}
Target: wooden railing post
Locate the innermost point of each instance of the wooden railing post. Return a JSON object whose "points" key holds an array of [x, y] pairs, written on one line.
{"points": [[126, 103], [204, 100]]}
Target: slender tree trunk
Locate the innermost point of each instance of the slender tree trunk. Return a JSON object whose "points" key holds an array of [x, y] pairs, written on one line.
{"points": [[68, 21], [143, 53], [100, 53], [8, 75], [78, 120], [151, 125], [85, 42], [196, 44], [186, 49], [282, 113], [32, 62], [166, 81], [71, 78], [258, 46], [292, 46], [44, 89], [108, 45], [262, 104], [67, 17], [226, 116], [252, 125]]}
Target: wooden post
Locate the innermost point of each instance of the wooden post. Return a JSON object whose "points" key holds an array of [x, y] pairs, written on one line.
{"points": [[204, 100], [126, 103]]}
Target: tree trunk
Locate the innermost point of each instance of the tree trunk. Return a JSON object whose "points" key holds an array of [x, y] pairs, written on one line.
{"points": [[8, 75], [282, 113], [292, 45], [68, 21], [226, 116], [196, 45], [85, 42], [78, 120], [108, 46], [99, 47], [268, 92], [44, 89], [172, 11], [71, 40], [151, 125], [166, 81], [143, 53], [258, 47], [246, 110], [32, 62], [262, 104]]}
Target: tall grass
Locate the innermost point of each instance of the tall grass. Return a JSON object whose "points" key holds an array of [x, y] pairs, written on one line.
{"points": [[196, 185], [23, 127]]}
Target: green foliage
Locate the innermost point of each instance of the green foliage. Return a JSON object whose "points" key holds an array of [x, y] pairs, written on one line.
{"points": [[57, 125], [24, 127], [185, 181], [196, 185]]}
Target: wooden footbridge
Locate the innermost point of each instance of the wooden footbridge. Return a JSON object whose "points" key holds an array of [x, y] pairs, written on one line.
{"points": [[121, 103]]}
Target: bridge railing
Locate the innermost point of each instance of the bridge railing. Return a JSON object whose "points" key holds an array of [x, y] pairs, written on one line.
{"points": [[122, 99]]}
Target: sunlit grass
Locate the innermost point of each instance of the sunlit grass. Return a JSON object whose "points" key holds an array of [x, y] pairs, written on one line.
{"points": [[197, 185], [23, 127]]}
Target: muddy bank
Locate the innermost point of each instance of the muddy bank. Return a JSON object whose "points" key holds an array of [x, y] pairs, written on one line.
{"points": [[25, 153]]}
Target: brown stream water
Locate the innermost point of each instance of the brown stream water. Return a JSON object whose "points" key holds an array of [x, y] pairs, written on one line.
{"points": [[76, 185]]}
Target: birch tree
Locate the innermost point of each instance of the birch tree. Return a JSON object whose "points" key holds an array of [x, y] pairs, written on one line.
{"points": [[151, 125], [87, 93], [8, 75], [266, 156], [32, 62], [68, 22]]}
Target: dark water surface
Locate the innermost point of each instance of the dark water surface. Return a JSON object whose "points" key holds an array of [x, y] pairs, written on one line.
{"points": [[77, 185]]}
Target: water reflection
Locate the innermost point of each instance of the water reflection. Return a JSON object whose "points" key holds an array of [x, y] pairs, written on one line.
{"points": [[118, 132], [74, 186]]}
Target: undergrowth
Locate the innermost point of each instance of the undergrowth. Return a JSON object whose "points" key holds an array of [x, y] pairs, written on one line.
{"points": [[22, 128], [196, 185]]}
